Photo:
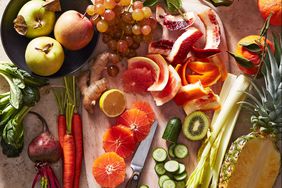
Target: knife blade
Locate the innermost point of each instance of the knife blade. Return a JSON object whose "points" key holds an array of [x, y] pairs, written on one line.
{"points": [[140, 156]]}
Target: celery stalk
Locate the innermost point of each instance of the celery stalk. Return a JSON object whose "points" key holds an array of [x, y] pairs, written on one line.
{"points": [[235, 95]]}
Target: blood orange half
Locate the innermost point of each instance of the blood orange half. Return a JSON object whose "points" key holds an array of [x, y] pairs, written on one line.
{"points": [[145, 107], [109, 169], [137, 121], [119, 139]]}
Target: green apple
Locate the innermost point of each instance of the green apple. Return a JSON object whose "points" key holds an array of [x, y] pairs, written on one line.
{"points": [[44, 56], [38, 20]]}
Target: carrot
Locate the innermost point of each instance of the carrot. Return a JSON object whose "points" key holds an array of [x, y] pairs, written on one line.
{"points": [[77, 133], [61, 128], [69, 160]]}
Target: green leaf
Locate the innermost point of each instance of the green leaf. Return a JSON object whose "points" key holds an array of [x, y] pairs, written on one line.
{"points": [[265, 27], [150, 3], [217, 3], [174, 5], [252, 47], [242, 61]]}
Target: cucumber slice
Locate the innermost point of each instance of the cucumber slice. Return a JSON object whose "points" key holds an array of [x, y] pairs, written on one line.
{"points": [[169, 184], [180, 184], [171, 150], [159, 169], [162, 179], [159, 154], [144, 186], [181, 168], [172, 130], [171, 166], [180, 177], [180, 151]]}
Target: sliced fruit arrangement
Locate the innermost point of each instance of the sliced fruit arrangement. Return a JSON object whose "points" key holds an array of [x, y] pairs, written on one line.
{"points": [[132, 127], [179, 22], [162, 47], [171, 172], [109, 169]]}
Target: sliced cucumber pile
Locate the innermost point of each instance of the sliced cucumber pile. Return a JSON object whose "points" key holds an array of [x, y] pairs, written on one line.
{"points": [[172, 174]]}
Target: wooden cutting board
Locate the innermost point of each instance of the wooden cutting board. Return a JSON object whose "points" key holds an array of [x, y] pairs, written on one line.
{"points": [[96, 124]]}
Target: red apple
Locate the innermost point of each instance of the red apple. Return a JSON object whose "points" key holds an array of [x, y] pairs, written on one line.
{"points": [[73, 30]]}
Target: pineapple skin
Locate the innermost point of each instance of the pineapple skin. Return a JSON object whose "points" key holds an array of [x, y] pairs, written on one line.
{"points": [[253, 161]]}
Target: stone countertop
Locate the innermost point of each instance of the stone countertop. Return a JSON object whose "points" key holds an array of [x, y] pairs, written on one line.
{"points": [[240, 19]]}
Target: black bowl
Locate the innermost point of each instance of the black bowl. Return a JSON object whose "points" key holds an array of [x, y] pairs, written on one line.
{"points": [[15, 44]]}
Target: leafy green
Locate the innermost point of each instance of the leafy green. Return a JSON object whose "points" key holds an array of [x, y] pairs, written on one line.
{"points": [[31, 96], [242, 61], [150, 3], [252, 47], [174, 5], [217, 3]]}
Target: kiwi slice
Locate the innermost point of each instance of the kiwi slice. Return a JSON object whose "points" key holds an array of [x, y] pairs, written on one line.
{"points": [[196, 126]]}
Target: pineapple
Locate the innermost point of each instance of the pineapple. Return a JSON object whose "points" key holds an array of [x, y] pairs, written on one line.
{"points": [[253, 160]]}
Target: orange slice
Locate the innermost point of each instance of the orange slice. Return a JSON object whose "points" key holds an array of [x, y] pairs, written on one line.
{"points": [[137, 121], [119, 139], [145, 107], [109, 169]]}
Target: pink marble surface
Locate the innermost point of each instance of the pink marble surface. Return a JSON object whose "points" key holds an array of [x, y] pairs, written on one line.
{"points": [[240, 19]]}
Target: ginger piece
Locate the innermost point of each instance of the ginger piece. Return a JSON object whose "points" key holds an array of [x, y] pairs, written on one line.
{"points": [[91, 84]]}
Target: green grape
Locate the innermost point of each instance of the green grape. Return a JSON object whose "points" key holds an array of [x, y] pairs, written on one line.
{"points": [[147, 12], [109, 15], [138, 14], [136, 30], [146, 30], [102, 26], [109, 4], [90, 10], [125, 3], [100, 9], [137, 5]]}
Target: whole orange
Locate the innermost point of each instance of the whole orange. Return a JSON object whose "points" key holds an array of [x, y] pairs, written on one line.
{"points": [[271, 6], [251, 56]]}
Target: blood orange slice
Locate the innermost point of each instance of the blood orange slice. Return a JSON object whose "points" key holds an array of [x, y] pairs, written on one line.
{"points": [[137, 80], [109, 169], [137, 121], [145, 107], [119, 139]]}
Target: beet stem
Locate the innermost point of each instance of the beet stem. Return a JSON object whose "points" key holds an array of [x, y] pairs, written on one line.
{"points": [[43, 121]]}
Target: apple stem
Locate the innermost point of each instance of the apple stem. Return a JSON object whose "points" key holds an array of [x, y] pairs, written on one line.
{"points": [[46, 48], [38, 24]]}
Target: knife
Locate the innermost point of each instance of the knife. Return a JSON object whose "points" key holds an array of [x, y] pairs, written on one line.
{"points": [[139, 158]]}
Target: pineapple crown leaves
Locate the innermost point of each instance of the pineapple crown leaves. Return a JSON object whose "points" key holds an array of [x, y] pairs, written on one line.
{"points": [[267, 107]]}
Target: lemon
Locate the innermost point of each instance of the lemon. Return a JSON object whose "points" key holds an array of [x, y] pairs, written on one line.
{"points": [[112, 102]]}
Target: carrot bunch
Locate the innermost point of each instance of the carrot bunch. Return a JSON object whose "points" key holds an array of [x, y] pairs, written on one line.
{"points": [[70, 135]]}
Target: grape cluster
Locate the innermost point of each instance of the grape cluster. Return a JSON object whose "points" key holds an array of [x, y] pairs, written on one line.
{"points": [[123, 25]]}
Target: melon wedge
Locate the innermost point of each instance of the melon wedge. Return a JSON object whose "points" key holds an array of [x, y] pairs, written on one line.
{"points": [[190, 92], [170, 90], [164, 73]]}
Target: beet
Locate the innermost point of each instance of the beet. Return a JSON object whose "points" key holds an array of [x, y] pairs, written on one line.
{"points": [[43, 150], [44, 147]]}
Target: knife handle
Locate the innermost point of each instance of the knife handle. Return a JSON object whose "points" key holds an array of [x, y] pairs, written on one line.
{"points": [[133, 180]]}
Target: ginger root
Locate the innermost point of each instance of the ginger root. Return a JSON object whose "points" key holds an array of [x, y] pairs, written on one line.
{"points": [[91, 84]]}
